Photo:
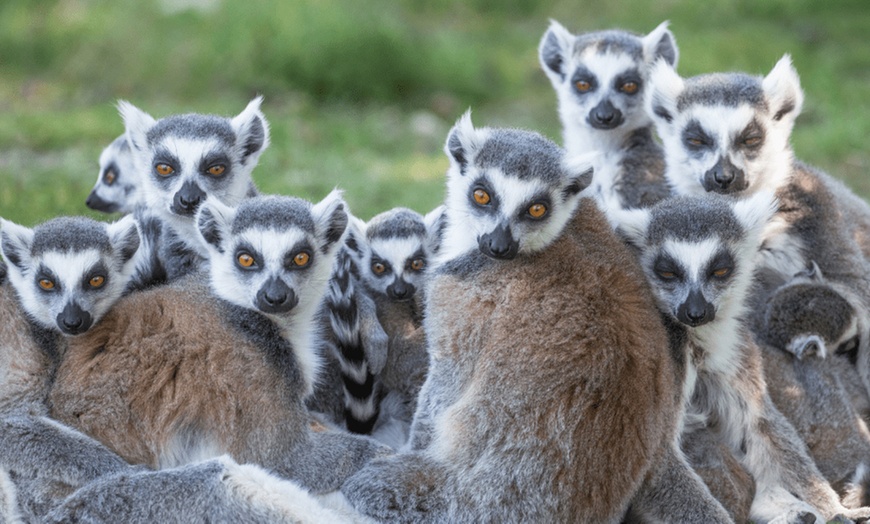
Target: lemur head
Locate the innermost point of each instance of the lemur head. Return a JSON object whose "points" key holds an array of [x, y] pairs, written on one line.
{"points": [[808, 316], [273, 254], [185, 158], [119, 185], [698, 252], [600, 78], [68, 272], [395, 250], [726, 132], [509, 192]]}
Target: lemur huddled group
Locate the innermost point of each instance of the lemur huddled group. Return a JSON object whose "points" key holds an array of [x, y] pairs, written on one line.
{"points": [[623, 329]]}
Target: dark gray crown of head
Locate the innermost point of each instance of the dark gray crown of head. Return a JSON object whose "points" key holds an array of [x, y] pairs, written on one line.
{"points": [[273, 212], [521, 154], [193, 126], [70, 234], [396, 223], [693, 219], [610, 41], [722, 89]]}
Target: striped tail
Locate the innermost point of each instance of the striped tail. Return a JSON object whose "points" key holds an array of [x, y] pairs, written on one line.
{"points": [[361, 389]]}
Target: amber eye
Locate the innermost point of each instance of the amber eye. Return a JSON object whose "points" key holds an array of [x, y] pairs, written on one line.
{"points": [[667, 275], [481, 197], [629, 87], [97, 281], [109, 177], [46, 284], [722, 272], [217, 170], [301, 259], [582, 86], [164, 169], [752, 141], [378, 268], [537, 210], [246, 260], [695, 141], [417, 264]]}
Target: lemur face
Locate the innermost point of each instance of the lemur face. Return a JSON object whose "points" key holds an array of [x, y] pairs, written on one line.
{"points": [[273, 254], [118, 187], [600, 77], [396, 250], [510, 192], [698, 252], [726, 133], [185, 158], [68, 272]]}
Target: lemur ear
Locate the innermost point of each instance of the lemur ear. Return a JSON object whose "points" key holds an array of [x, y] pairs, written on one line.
{"points": [[463, 142], [252, 131], [630, 224], [782, 87], [15, 243], [213, 220], [330, 219], [812, 272], [754, 212], [436, 223], [124, 237], [137, 124], [579, 170], [554, 51], [665, 85], [355, 239], [661, 44]]}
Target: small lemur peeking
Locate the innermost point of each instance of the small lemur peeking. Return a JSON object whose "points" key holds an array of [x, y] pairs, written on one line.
{"points": [[600, 80], [221, 363], [119, 184], [501, 310], [392, 253], [185, 159], [729, 133], [699, 255]]}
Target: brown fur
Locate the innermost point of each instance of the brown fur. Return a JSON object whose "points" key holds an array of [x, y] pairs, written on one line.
{"points": [[728, 480], [407, 356]]}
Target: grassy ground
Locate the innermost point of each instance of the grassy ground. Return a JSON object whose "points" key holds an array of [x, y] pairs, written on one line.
{"points": [[360, 95]]}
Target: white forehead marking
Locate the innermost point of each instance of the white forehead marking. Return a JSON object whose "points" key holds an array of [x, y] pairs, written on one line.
{"points": [[396, 251], [512, 193], [721, 123], [189, 152], [607, 66], [70, 268], [693, 256], [273, 245]]}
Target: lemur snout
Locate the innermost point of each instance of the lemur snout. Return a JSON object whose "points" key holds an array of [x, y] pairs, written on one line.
{"points": [[276, 297], [499, 243], [696, 311], [400, 290], [605, 116], [73, 320], [725, 177], [187, 199]]}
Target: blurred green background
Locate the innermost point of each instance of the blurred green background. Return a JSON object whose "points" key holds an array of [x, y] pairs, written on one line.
{"points": [[361, 94]]}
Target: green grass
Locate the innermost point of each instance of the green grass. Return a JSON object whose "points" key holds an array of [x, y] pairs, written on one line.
{"points": [[360, 95]]}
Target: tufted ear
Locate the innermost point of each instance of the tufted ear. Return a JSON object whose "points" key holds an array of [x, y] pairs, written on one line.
{"points": [[436, 223], [630, 224], [554, 52], [213, 222], [252, 131], [15, 243], [661, 44], [782, 87], [755, 211], [578, 170], [137, 123], [463, 142], [330, 219], [355, 238], [124, 237], [665, 85]]}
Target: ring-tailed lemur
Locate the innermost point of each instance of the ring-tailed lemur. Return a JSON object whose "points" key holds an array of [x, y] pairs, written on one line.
{"points": [[537, 406], [392, 251], [188, 371], [825, 401], [729, 133], [699, 255], [600, 79], [186, 158], [119, 184], [70, 477]]}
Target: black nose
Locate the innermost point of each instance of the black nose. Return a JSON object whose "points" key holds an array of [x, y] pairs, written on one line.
{"points": [[400, 290], [73, 320], [276, 297], [605, 116], [187, 199], [499, 243], [96, 203], [695, 311], [724, 177]]}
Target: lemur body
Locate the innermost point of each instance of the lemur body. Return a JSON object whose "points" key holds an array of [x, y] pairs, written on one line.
{"points": [[729, 133], [699, 255], [501, 311], [188, 371], [119, 184], [600, 79], [184, 159]]}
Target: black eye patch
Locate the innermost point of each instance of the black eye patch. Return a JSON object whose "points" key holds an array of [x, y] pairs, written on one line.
{"points": [[695, 138]]}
